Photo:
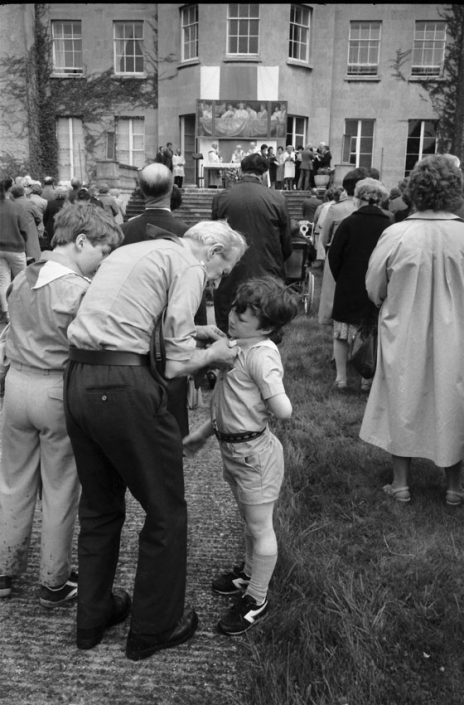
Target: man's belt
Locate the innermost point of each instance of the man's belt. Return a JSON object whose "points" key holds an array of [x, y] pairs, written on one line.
{"points": [[237, 437], [108, 357]]}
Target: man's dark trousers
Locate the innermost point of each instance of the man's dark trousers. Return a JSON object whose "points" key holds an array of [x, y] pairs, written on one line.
{"points": [[124, 437]]}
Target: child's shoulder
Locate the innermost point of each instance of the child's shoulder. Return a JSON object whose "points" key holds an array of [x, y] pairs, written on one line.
{"points": [[259, 352], [265, 344]]}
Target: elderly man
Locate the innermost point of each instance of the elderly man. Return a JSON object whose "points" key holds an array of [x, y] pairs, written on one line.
{"points": [[261, 215], [123, 435]]}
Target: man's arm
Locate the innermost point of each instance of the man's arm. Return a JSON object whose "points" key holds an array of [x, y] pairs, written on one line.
{"points": [[219, 353]]}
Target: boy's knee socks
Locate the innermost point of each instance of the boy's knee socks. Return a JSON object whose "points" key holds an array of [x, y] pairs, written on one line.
{"points": [[261, 574]]}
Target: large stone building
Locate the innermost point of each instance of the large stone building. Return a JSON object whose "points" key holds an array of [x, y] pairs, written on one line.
{"points": [[192, 74]]}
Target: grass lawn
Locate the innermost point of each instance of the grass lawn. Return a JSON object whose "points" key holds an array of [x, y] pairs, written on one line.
{"points": [[367, 597]]}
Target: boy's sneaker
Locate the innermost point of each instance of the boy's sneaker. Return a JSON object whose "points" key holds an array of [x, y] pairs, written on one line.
{"points": [[243, 614], [5, 585], [231, 583], [54, 597]]}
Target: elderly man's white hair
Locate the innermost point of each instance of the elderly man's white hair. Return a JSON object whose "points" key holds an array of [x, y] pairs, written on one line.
{"points": [[217, 232]]}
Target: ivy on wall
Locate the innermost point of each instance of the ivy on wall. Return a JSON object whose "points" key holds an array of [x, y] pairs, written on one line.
{"points": [[94, 98]]}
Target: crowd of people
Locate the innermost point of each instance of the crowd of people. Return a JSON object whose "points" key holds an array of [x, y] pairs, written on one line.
{"points": [[392, 261], [288, 168], [105, 326], [108, 322]]}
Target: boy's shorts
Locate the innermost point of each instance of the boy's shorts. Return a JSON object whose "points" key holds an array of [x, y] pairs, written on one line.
{"points": [[254, 469]]}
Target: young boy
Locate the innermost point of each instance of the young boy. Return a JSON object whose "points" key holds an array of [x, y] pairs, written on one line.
{"points": [[243, 400], [36, 451]]}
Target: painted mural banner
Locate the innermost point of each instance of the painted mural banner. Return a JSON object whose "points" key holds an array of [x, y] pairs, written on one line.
{"points": [[231, 119]]}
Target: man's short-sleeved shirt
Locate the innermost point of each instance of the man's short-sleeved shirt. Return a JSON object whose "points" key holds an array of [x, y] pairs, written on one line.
{"points": [[131, 289], [238, 402]]}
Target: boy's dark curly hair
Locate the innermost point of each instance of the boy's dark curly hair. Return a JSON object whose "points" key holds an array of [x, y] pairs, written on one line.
{"points": [[270, 300], [435, 183]]}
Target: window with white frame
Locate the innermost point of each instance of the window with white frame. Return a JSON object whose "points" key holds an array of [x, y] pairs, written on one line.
{"points": [[128, 47], [429, 48], [296, 131], [300, 18], [364, 48], [422, 141], [358, 142], [130, 141], [71, 149], [67, 47], [189, 22], [243, 28]]}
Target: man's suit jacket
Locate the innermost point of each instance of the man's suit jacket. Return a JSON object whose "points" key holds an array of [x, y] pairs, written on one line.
{"points": [[135, 229]]}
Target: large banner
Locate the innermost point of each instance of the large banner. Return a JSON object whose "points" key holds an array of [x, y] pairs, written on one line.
{"points": [[224, 119]]}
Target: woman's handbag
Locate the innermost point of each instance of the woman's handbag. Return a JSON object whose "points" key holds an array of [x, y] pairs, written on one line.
{"points": [[363, 352]]}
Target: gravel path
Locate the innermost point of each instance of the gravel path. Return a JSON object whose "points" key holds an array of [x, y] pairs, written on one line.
{"points": [[40, 665]]}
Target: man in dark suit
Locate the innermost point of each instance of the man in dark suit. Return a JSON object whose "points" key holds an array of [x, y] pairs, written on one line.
{"points": [[261, 215], [156, 183]]}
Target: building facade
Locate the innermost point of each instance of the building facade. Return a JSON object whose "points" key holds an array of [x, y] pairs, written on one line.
{"points": [[231, 74]]}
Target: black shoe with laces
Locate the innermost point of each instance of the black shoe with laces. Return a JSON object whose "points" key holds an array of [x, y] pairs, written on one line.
{"points": [[242, 615], [55, 597], [232, 583]]}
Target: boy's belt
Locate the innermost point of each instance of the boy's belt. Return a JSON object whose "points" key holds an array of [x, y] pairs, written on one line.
{"points": [[237, 437]]}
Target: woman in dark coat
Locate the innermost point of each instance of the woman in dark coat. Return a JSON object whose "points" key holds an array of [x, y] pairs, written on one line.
{"points": [[349, 255]]}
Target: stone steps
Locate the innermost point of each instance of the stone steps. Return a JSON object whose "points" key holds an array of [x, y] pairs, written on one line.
{"points": [[196, 204]]}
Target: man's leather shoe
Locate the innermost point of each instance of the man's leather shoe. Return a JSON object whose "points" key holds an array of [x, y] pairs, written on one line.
{"points": [[141, 646], [88, 638]]}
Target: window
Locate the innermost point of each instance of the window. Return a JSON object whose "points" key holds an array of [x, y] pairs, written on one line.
{"points": [[71, 151], [364, 49], [429, 48], [67, 47], [111, 146], [358, 142], [189, 20], [296, 131], [422, 140], [243, 28], [128, 47], [130, 141], [298, 48]]}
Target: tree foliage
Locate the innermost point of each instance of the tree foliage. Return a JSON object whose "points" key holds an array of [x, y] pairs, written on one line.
{"points": [[447, 95], [447, 92]]}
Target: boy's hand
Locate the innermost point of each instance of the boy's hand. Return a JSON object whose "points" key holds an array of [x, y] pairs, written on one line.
{"points": [[196, 439]]}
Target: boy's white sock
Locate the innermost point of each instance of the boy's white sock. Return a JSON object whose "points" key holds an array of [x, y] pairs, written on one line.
{"points": [[261, 574], [248, 554]]}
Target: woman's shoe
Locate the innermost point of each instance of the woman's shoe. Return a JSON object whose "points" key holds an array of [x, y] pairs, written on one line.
{"points": [[454, 497], [401, 494], [340, 385]]}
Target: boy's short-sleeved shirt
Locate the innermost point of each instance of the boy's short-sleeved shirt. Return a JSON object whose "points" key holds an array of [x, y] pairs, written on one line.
{"points": [[239, 396], [43, 301]]}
